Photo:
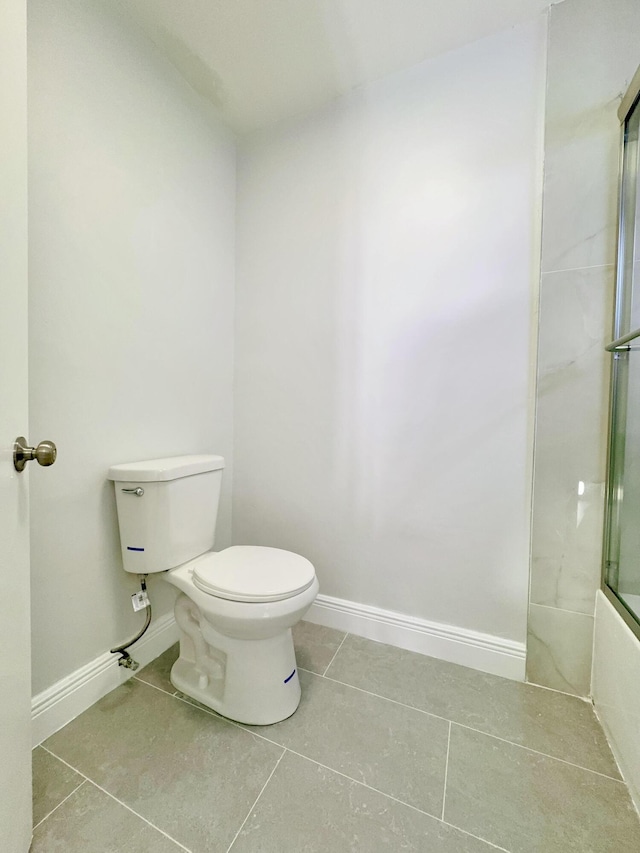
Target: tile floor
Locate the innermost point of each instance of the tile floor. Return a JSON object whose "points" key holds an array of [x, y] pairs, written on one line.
{"points": [[388, 751]]}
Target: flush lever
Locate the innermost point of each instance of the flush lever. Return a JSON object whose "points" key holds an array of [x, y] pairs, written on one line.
{"points": [[45, 453], [139, 492]]}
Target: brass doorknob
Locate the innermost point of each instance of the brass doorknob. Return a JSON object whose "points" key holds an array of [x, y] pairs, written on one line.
{"points": [[45, 453]]}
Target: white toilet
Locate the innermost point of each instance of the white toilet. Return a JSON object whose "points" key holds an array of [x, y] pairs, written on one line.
{"points": [[236, 607]]}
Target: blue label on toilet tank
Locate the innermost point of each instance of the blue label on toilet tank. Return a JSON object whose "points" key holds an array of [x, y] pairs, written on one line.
{"points": [[290, 677]]}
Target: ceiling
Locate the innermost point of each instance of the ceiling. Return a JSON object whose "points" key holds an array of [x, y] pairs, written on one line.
{"points": [[259, 61]]}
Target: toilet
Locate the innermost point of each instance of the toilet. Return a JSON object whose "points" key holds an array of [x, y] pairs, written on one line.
{"points": [[235, 608]]}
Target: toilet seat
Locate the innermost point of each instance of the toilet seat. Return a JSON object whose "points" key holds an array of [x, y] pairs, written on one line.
{"points": [[252, 573]]}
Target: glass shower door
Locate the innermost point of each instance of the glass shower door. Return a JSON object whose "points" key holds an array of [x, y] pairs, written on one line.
{"points": [[622, 534]]}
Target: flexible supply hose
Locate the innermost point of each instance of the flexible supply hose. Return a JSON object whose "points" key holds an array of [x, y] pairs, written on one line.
{"points": [[125, 657]]}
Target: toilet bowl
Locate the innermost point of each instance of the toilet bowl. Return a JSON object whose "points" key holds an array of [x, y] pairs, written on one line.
{"points": [[235, 608], [236, 651]]}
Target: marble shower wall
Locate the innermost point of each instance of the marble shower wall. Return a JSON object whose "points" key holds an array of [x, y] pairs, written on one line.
{"points": [[593, 52]]}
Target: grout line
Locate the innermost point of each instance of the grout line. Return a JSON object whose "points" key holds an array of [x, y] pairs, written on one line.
{"points": [[284, 751], [611, 264], [403, 705], [360, 782], [256, 800], [205, 710], [446, 772], [586, 699], [562, 609], [155, 686], [471, 728], [144, 819], [256, 734], [386, 698], [198, 707], [77, 788], [538, 752], [128, 808], [334, 657], [150, 684], [477, 837], [250, 730], [55, 755], [357, 782], [390, 797]]}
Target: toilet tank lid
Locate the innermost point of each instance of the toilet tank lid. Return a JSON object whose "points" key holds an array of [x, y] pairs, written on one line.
{"points": [[159, 470]]}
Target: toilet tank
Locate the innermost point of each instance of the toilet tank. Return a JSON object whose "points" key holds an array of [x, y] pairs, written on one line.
{"points": [[167, 510]]}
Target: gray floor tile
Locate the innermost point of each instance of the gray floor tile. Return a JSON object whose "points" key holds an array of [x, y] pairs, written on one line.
{"points": [[397, 750], [530, 803], [92, 822], [553, 723], [308, 808], [191, 774], [157, 672], [196, 776], [315, 645], [52, 782]]}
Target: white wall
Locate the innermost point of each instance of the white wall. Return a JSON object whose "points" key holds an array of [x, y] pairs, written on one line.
{"points": [[386, 252], [132, 193]]}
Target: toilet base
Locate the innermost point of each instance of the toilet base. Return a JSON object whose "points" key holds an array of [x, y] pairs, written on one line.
{"points": [[249, 681]]}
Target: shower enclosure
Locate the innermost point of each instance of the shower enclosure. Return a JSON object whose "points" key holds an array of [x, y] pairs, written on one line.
{"points": [[621, 579]]}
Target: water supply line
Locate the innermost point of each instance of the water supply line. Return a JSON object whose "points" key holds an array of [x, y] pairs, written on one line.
{"points": [[125, 658]]}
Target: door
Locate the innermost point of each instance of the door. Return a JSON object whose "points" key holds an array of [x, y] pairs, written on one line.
{"points": [[15, 671]]}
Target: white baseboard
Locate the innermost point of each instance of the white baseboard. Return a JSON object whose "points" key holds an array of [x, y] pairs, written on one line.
{"points": [[62, 702], [447, 642]]}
